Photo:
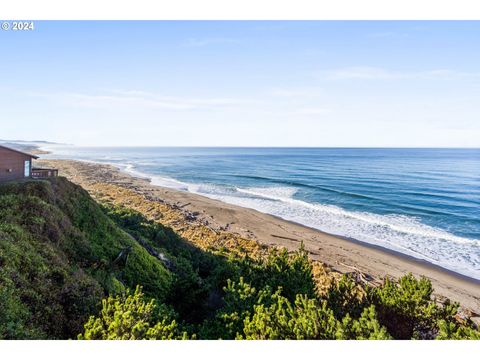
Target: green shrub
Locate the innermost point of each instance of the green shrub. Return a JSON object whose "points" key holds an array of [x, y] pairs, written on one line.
{"points": [[450, 330], [291, 272], [308, 319], [366, 327], [407, 308], [15, 316], [304, 319], [346, 297], [132, 317], [239, 301]]}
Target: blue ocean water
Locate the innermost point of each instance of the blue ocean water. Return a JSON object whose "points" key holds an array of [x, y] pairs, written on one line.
{"points": [[420, 202]]}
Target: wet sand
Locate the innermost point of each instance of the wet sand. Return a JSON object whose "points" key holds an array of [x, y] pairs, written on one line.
{"points": [[371, 263]]}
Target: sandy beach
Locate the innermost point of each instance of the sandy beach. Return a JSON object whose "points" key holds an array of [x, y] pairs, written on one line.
{"points": [[370, 263]]}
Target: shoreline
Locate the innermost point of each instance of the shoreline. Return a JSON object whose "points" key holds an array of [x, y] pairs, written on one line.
{"points": [[380, 248], [339, 253]]}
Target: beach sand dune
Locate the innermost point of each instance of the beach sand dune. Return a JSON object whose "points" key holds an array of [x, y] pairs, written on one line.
{"points": [[341, 255]]}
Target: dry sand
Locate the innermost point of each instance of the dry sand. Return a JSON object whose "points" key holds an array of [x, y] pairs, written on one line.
{"points": [[342, 255]]}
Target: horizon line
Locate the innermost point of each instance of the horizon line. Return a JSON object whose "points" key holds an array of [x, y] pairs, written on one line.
{"points": [[269, 147]]}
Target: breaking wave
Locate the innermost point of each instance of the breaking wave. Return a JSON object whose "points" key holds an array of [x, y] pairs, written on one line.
{"points": [[405, 234]]}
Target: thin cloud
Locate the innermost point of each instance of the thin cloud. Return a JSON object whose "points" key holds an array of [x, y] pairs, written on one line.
{"points": [[208, 41], [313, 111], [303, 92], [365, 73], [376, 73], [387, 34], [141, 99]]}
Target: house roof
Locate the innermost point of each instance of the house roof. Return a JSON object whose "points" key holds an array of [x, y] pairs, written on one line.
{"points": [[18, 151]]}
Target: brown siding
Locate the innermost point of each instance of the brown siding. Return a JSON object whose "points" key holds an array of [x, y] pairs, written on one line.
{"points": [[15, 161]]}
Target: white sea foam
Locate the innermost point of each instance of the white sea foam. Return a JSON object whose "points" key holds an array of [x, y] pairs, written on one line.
{"points": [[274, 193], [155, 180], [396, 232]]}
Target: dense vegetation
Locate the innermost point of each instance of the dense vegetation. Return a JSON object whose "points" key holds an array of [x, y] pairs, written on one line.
{"points": [[69, 267], [57, 260]]}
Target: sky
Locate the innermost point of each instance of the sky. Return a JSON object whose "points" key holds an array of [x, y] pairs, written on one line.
{"points": [[247, 83]]}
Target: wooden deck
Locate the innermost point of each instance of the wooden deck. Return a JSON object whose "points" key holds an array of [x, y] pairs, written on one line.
{"points": [[41, 173]]}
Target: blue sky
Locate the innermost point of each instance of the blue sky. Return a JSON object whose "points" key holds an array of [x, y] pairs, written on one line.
{"points": [[244, 83]]}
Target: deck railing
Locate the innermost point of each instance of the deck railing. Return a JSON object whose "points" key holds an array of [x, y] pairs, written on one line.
{"points": [[44, 173]]}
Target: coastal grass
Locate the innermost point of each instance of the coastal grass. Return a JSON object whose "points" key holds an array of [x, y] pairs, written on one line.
{"points": [[133, 268]]}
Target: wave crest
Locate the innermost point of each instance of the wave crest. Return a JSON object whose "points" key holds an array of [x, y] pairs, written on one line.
{"points": [[401, 233]]}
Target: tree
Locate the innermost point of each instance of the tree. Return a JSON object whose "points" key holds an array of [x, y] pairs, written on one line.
{"points": [[407, 307], [309, 319], [448, 330], [132, 317]]}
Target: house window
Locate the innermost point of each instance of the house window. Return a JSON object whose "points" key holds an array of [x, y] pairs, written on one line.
{"points": [[27, 168]]}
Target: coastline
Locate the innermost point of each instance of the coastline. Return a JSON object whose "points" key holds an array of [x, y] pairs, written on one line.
{"points": [[339, 254]]}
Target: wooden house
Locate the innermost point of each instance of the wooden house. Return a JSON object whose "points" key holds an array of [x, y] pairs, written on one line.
{"points": [[17, 165]]}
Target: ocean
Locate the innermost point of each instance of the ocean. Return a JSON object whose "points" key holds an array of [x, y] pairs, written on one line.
{"points": [[421, 202]]}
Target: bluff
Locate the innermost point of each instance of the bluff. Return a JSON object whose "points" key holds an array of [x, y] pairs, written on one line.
{"points": [[60, 254], [73, 268]]}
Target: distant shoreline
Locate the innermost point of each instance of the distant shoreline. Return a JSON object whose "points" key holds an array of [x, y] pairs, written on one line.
{"points": [[341, 254], [266, 147]]}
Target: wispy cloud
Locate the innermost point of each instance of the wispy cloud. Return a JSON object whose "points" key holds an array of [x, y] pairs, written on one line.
{"points": [[209, 41], [360, 72], [314, 111], [303, 92], [376, 73], [387, 34], [141, 99]]}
